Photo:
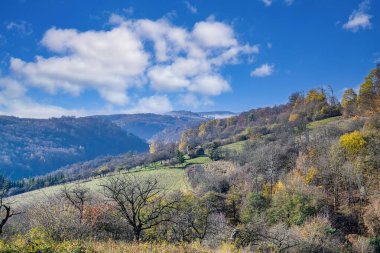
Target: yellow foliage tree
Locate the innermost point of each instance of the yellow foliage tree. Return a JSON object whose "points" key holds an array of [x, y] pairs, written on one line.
{"points": [[349, 103], [315, 96], [352, 143], [369, 93], [294, 117], [152, 148], [278, 187], [202, 130], [310, 175]]}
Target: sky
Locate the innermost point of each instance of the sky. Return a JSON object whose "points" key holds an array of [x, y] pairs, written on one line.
{"points": [[78, 58]]}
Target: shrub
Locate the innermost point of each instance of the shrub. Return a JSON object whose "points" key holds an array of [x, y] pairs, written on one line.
{"points": [[318, 235]]}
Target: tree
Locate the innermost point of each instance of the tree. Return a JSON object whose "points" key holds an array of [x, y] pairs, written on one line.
{"points": [[152, 148], [369, 93], [198, 218], [78, 196], [294, 98], [372, 218], [214, 152], [179, 157], [5, 210], [349, 102], [352, 143], [140, 201]]}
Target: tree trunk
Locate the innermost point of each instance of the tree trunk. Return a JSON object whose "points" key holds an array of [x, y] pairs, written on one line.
{"points": [[136, 234]]}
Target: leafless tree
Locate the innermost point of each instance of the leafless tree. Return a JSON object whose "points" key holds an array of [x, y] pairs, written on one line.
{"points": [[6, 210], [78, 196], [141, 201]]}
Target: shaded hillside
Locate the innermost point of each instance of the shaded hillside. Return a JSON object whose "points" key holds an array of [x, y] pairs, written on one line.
{"points": [[32, 147], [150, 126]]}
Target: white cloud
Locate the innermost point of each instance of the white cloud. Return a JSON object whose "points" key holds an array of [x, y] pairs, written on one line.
{"points": [[263, 70], [108, 61], [191, 7], [267, 2], [359, 18], [152, 104], [114, 61], [214, 34], [22, 27], [212, 85], [13, 101]]}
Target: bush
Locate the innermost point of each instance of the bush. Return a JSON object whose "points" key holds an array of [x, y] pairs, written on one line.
{"points": [[318, 235], [372, 218], [295, 202], [38, 241]]}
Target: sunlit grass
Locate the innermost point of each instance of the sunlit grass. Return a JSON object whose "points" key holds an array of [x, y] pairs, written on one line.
{"points": [[322, 122], [236, 146], [171, 177]]}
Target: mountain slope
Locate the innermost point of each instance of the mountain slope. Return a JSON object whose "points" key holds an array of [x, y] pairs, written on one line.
{"points": [[151, 126], [30, 147], [167, 127]]}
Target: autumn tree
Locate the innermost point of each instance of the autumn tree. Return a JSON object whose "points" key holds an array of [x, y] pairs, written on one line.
{"points": [[349, 102], [295, 98], [153, 147], [317, 104], [369, 93], [140, 201], [352, 143]]}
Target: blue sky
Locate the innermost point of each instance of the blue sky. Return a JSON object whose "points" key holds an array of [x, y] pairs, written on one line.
{"points": [[101, 57]]}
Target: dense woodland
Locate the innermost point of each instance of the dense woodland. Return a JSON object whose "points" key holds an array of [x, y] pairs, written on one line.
{"points": [[307, 179]]}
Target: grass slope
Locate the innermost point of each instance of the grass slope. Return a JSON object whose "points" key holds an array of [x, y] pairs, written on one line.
{"points": [[236, 146], [322, 122], [170, 177]]}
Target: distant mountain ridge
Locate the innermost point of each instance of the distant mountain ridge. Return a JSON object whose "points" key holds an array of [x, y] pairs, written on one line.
{"points": [[149, 126], [165, 127], [207, 115]]}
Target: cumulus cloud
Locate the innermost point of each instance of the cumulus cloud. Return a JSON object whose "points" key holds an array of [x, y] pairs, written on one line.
{"points": [[263, 70], [108, 61], [152, 104], [214, 34], [114, 61], [359, 18]]}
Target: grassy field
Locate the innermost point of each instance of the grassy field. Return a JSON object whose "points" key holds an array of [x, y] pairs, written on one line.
{"points": [[237, 146], [322, 122], [171, 177], [197, 160]]}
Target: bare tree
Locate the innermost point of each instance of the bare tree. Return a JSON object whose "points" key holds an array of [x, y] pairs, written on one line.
{"points": [[5, 210], [141, 201], [78, 196]]}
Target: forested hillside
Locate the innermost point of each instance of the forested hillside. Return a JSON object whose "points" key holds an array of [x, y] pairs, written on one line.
{"points": [[299, 177], [32, 147]]}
